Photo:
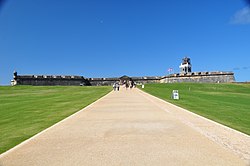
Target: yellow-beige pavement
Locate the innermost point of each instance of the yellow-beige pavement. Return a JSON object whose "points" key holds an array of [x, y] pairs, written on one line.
{"points": [[131, 127]]}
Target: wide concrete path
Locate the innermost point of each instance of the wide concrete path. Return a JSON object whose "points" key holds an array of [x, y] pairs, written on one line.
{"points": [[132, 128]]}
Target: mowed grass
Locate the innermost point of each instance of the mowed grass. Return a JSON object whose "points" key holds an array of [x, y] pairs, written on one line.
{"points": [[228, 104], [27, 110]]}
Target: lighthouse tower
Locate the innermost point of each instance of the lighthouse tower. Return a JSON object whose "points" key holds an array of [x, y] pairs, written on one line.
{"points": [[186, 66]]}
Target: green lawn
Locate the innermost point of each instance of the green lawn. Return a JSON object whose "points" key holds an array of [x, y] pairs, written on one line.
{"points": [[27, 110], [228, 104]]}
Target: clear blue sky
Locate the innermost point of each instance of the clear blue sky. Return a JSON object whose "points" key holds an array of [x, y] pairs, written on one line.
{"points": [[111, 38]]}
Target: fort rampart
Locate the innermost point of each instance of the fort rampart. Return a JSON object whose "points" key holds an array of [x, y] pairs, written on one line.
{"points": [[203, 77], [50, 80], [185, 75], [43, 80]]}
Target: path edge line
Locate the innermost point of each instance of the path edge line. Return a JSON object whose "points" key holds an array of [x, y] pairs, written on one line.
{"points": [[54, 125], [197, 115]]}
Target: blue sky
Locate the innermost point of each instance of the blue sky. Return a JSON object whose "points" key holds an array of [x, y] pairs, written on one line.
{"points": [[111, 38]]}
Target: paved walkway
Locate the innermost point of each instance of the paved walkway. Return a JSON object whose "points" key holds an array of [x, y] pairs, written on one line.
{"points": [[131, 127]]}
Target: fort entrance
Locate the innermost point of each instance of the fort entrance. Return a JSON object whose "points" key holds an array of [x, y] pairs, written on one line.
{"points": [[125, 80]]}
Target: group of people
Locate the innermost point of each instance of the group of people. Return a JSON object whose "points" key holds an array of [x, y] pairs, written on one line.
{"points": [[116, 86], [127, 84]]}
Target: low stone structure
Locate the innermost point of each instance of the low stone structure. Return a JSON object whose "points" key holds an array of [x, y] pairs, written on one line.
{"points": [[185, 75], [53, 80], [102, 81], [43, 80], [50, 80], [203, 77], [111, 81]]}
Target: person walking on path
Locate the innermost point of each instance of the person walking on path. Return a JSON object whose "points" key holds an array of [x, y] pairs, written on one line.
{"points": [[114, 86], [127, 85], [117, 86], [131, 84]]}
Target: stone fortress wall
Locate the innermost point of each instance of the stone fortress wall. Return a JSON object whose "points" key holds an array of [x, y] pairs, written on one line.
{"points": [[111, 81], [45, 80], [50, 80], [54, 80], [203, 77], [185, 75]]}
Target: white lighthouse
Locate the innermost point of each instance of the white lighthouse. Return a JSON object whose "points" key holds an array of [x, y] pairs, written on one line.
{"points": [[186, 66]]}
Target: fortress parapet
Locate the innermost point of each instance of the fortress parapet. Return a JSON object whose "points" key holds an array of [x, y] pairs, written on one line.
{"points": [[202, 77], [68, 80], [43, 80], [185, 75], [111, 81], [102, 81]]}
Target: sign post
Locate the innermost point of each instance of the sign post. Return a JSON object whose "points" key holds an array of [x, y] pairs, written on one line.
{"points": [[175, 95]]}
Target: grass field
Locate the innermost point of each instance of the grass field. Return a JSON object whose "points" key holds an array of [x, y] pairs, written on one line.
{"points": [[27, 110], [228, 104]]}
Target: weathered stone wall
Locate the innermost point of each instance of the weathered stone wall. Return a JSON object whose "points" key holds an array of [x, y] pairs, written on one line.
{"points": [[45, 80], [146, 80], [111, 81], [102, 81], [203, 77]]}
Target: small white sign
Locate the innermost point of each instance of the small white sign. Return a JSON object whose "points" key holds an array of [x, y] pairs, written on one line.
{"points": [[142, 86], [175, 95]]}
